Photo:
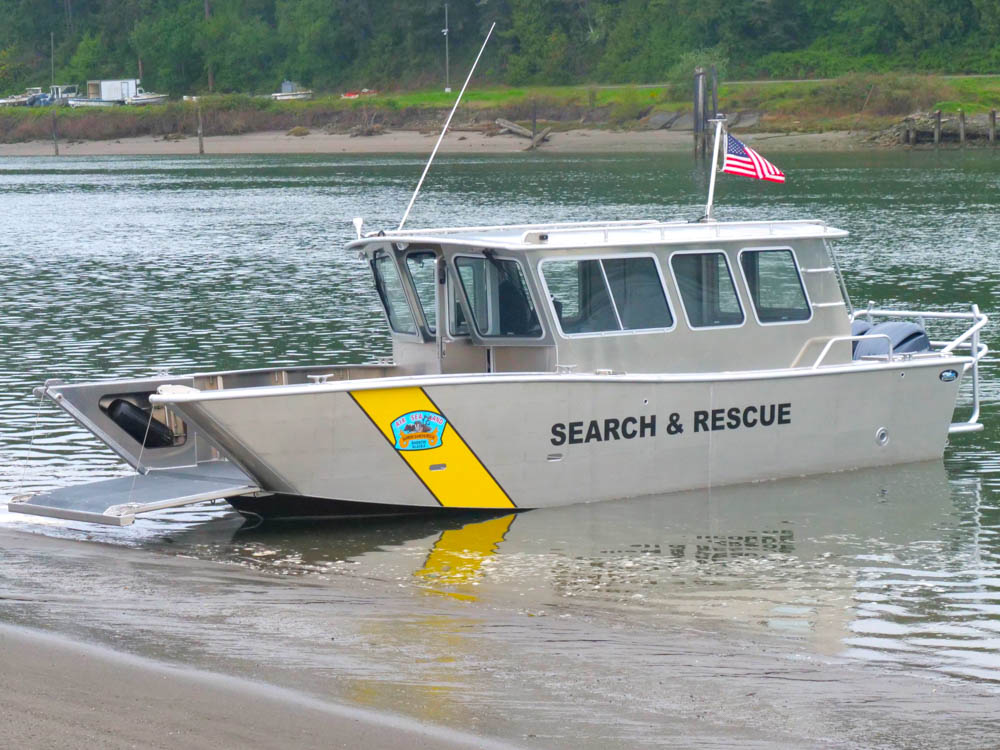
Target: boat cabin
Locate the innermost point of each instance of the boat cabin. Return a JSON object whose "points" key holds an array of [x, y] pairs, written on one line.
{"points": [[613, 297]]}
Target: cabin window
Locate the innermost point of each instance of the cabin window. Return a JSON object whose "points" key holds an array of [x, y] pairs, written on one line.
{"points": [[775, 286], [498, 297], [423, 274], [459, 325], [707, 289], [390, 290], [607, 295]]}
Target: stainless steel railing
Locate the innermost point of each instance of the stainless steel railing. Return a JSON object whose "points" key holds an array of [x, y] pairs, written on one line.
{"points": [[968, 340]]}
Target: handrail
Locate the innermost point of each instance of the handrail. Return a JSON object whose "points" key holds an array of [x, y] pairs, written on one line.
{"points": [[573, 225], [836, 339], [969, 339]]}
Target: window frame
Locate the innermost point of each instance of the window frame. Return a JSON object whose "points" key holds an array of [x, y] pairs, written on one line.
{"points": [[491, 339], [390, 253], [732, 278], [798, 271], [614, 305], [432, 330]]}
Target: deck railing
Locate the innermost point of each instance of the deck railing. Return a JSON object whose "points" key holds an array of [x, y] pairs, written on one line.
{"points": [[968, 341]]}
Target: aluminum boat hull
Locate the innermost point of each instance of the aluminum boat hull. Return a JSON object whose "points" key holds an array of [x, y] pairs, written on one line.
{"points": [[536, 441]]}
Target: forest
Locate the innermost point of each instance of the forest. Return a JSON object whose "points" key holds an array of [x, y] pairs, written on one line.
{"points": [[250, 46]]}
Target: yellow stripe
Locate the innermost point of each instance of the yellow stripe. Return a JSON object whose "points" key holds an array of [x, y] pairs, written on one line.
{"points": [[463, 482]]}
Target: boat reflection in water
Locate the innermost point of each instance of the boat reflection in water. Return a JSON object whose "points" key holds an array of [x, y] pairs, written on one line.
{"points": [[892, 564]]}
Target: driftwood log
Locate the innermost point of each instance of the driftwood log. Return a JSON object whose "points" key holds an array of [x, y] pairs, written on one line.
{"points": [[539, 139], [506, 126]]}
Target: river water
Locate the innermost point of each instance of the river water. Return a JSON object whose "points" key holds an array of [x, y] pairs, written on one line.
{"points": [[131, 266]]}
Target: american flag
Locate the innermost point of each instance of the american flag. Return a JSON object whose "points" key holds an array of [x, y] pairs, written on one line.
{"points": [[743, 160]]}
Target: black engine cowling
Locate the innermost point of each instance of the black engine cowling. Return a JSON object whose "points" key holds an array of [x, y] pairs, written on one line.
{"points": [[905, 336]]}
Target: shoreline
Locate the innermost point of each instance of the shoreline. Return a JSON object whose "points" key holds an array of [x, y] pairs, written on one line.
{"points": [[579, 141], [66, 693], [181, 651]]}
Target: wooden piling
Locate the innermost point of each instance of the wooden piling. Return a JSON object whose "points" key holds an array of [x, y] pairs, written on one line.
{"points": [[55, 135], [993, 127], [961, 127], [699, 112], [937, 127], [201, 131]]}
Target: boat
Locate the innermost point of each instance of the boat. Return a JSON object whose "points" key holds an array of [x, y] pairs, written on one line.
{"points": [[79, 101], [355, 94], [292, 96], [542, 365], [109, 93], [32, 97], [291, 91], [549, 364], [140, 98], [61, 93]]}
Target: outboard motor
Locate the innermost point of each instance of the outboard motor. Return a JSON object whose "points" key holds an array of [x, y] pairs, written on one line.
{"points": [[905, 337]]}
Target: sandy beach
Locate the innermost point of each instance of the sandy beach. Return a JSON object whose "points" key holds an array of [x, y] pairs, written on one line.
{"points": [[413, 142], [58, 693]]}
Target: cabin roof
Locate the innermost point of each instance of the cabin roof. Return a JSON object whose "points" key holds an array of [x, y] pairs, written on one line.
{"points": [[583, 235]]}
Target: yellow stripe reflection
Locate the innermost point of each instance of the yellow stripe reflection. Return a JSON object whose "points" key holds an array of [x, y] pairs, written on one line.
{"points": [[458, 554], [463, 482]]}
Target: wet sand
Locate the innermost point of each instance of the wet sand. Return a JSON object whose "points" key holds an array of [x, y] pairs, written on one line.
{"points": [[58, 693], [457, 142], [542, 674]]}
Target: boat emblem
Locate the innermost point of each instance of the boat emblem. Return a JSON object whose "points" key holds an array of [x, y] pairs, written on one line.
{"points": [[418, 430], [948, 376]]}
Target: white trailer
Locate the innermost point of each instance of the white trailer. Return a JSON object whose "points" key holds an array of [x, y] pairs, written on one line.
{"points": [[119, 90]]}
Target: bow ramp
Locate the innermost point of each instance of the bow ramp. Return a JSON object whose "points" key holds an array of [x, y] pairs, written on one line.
{"points": [[117, 502]]}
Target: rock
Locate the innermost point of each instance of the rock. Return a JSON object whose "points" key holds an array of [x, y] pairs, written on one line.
{"points": [[660, 120], [748, 120], [685, 121]]}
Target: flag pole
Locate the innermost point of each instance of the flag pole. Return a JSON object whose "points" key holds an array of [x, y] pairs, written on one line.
{"points": [[715, 165]]}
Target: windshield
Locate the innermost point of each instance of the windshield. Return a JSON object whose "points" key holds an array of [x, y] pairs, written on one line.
{"points": [[422, 267], [390, 291]]}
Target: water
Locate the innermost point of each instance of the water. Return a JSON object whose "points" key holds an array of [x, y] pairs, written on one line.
{"points": [[126, 267]]}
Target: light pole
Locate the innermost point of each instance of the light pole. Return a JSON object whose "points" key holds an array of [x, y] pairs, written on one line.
{"points": [[447, 79]]}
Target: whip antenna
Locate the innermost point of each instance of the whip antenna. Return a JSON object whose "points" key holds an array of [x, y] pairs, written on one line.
{"points": [[445, 129]]}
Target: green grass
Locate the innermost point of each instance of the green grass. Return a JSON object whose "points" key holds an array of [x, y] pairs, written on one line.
{"points": [[856, 101]]}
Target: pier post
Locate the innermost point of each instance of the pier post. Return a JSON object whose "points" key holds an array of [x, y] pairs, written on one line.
{"points": [[961, 127], [55, 136], [909, 132], [937, 127], [201, 131], [993, 127], [699, 112]]}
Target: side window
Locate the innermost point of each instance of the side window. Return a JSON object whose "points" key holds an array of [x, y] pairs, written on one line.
{"points": [[707, 289], [390, 291], [593, 296], [775, 285], [580, 296], [422, 272], [498, 296], [638, 291]]}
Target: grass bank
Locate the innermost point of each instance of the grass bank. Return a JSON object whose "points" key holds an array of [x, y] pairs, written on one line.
{"points": [[858, 101]]}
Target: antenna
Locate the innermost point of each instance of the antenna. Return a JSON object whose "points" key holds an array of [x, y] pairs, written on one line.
{"points": [[445, 128]]}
